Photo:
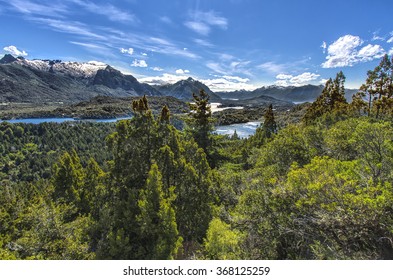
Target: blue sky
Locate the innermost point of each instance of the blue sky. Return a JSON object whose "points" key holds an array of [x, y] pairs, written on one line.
{"points": [[227, 44]]}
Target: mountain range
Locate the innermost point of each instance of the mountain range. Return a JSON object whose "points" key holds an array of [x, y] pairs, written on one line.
{"points": [[54, 81], [299, 94]]}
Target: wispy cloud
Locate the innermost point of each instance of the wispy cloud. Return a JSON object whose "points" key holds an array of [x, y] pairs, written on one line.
{"points": [[272, 67], [377, 37], [199, 27], [324, 46], [56, 16], [108, 10], [89, 45], [212, 18], [237, 79], [390, 40], [216, 67], [15, 51], [202, 22], [166, 20], [229, 65], [95, 48], [61, 9], [41, 8], [70, 27], [346, 52]]}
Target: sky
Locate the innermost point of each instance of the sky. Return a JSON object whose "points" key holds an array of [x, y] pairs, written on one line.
{"points": [[227, 44]]}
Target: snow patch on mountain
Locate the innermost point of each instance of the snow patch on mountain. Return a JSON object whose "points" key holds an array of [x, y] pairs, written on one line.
{"points": [[73, 69]]}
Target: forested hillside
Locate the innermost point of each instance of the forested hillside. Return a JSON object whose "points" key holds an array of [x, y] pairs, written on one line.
{"points": [[319, 188]]}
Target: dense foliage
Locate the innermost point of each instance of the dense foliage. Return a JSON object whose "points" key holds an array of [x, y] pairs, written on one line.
{"points": [[321, 188]]}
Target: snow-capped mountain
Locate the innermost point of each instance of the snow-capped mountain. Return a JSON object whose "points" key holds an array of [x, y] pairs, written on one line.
{"points": [[40, 81], [73, 69]]}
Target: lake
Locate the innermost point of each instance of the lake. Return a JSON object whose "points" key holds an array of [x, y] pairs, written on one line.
{"points": [[243, 130], [61, 120]]}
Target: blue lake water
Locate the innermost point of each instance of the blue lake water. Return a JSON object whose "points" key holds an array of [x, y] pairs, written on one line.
{"points": [[61, 120], [243, 130]]}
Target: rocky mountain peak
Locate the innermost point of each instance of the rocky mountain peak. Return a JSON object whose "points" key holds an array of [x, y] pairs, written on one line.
{"points": [[8, 58]]}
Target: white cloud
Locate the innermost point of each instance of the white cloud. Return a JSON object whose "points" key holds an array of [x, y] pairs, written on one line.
{"points": [[304, 78], [199, 27], [345, 52], [342, 52], [163, 79], [371, 52], [139, 63], [182, 72], [237, 79], [14, 51], [226, 57], [272, 67], [144, 54], [212, 18], [299, 80], [97, 63], [129, 51], [284, 77], [323, 81], [324, 46], [376, 37], [158, 69], [203, 21], [390, 51], [228, 83], [390, 40], [203, 43]]}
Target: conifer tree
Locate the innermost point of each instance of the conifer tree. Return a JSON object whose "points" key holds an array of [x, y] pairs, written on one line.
{"points": [[160, 238], [331, 100], [379, 88], [269, 124], [200, 122], [68, 178]]}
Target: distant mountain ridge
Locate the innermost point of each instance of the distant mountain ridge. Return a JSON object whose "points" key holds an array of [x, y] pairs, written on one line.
{"points": [[41, 81], [306, 93], [183, 89]]}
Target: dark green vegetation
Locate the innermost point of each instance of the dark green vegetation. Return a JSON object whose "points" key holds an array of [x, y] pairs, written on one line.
{"points": [[316, 185], [100, 107]]}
